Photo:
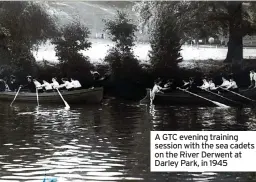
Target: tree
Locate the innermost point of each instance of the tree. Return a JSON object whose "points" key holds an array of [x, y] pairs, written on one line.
{"points": [[72, 40], [227, 18], [121, 57], [24, 25], [121, 31], [69, 46], [165, 45]]}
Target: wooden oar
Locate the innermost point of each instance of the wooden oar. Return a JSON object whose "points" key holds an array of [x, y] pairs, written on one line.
{"points": [[238, 94], [151, 97], [220, 96], [37, 98], [16, 95], [214, 102], [66, 104]]}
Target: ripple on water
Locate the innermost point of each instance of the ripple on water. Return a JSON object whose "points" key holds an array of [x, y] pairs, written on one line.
{"points": [[102, 143]]}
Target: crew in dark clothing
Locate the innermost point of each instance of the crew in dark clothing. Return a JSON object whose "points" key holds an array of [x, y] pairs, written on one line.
{"points": [[96, 75], [2, 85], [13, 84], [30, 85], [185, 84], [192, 85], [6, 84]]}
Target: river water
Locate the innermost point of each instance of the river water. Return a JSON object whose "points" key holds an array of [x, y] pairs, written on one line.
{"points": [[107, 142]]}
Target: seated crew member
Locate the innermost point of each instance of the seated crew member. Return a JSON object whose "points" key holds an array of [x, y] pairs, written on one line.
{"points": [[47, 86], [192, 85], [168, 86], [2, 86], [13, 84], [233, 86], [185, 84], [38, 85], [7, 88], [54, 83], [76, 84], [30, 85], [97, 79], [96, 75], [225, 83], [205, 85], [66, 84], [212, 85]]}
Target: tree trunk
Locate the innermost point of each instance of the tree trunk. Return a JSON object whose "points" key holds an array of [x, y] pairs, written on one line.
{"points": [[235, 43]]}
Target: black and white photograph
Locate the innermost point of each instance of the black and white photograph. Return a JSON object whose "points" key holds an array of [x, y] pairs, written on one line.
{"points": [[84, 84]]}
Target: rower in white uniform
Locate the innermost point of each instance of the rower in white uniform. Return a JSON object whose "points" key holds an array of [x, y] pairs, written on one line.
{"points": [[76, 84], [47, 86], [212, 85], [252, 79], [205, 85], [38, 85], [66, 84], [225, 83], [54, 83], [233, 86]]}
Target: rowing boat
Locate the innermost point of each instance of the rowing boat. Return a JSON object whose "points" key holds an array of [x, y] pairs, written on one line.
{"points": [[82, 96], [177, 97]]}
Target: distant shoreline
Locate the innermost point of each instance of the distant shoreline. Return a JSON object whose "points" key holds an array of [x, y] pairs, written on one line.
{"points": [[100, 49]]}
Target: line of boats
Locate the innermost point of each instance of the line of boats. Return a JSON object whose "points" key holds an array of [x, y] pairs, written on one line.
{"points": [[83, 96], [176, 97], [202, 98]]}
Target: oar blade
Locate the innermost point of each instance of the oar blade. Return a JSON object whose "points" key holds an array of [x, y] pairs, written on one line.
{"points": [[67, 107], [220, 105]]}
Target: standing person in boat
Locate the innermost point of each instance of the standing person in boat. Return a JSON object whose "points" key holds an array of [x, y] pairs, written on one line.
{"points": [[76, 84], [55, 84], [156, 89], [47, 86], [233, 86], [13, 84], [66, 84], [252, 79]]}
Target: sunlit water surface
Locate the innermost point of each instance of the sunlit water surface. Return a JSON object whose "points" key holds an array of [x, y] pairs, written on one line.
{"points": [[107, 142]]}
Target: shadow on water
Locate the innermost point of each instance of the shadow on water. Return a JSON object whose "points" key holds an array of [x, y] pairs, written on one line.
{"points": [[107, 142]]}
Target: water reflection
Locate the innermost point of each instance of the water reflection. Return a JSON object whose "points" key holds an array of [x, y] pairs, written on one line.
{"points": [[108, 142]]}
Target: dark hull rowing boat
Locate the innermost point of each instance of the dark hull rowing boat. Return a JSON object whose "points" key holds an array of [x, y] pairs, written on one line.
{"points": [[178, 97], [83, 96]]}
